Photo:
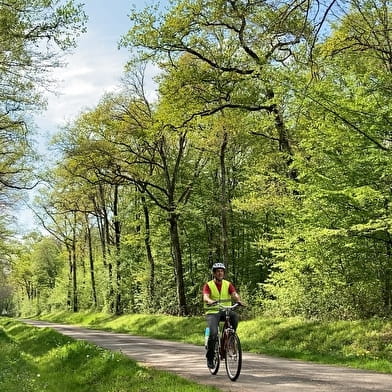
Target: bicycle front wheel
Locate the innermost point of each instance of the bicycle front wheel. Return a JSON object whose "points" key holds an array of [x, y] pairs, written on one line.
{"points": [[216, 360], [233, 356]]}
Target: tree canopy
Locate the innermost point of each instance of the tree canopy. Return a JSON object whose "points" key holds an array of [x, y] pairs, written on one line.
{"points": [[267, 148]]}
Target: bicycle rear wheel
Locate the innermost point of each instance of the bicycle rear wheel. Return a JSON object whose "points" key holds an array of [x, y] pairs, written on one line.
{"points": [[233, 356], [216, 360]]}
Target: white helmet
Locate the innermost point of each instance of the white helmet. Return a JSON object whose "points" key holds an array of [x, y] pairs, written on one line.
{"points": [[218, 265]]}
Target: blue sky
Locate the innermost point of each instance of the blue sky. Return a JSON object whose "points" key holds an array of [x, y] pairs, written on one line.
{"points": [[93, 68]]}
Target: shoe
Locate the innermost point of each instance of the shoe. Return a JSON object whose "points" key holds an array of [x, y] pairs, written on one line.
{"points": [[210, 363]]}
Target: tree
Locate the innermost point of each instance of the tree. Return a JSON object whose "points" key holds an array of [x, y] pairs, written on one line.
{"points": [[237, 45], [8, 250], [334, 255], [268, 148], [32, 37], [225, 59]]}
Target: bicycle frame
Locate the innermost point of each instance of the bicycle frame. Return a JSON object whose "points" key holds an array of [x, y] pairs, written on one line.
{"points": [[225, 329]]}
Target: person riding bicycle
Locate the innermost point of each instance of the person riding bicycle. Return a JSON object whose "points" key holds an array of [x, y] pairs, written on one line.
{"points": [[222, 290]]}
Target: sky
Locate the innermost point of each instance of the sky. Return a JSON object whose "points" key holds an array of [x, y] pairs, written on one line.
{"points": [[93, 68]]}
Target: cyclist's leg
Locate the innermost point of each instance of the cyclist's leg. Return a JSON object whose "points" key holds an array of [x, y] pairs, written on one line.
{"points": [[212, 322], [234, 319]]}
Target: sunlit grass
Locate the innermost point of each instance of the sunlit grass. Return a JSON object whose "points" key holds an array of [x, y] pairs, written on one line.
{"points": [[365, 344], [185, 329], [35, 360]]}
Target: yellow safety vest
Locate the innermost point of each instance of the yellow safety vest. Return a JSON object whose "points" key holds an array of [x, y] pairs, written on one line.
{"points": [[223, 295]]}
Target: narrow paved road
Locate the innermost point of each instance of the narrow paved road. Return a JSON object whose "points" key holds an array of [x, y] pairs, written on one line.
{"points": [[259, 373]]}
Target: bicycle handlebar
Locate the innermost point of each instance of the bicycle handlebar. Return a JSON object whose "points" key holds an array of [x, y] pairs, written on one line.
{"points": [[231, 307]]}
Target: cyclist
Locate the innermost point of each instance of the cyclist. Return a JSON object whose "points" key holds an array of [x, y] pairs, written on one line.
{"points": [[218, 289]]}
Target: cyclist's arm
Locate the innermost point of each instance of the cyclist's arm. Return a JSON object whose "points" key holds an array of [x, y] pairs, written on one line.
{"points": [[236, 297], [207, 299], [206, 295]]}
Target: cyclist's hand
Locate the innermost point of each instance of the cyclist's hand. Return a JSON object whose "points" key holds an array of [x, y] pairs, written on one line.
{"points": [[212, 303], [240, 303]]}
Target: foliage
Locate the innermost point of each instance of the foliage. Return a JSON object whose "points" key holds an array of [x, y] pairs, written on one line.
{"points": [[33, 35], [268, 148]]}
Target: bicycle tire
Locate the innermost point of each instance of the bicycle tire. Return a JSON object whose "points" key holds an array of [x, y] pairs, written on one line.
{"points": [[216, 360], [233, 356]]}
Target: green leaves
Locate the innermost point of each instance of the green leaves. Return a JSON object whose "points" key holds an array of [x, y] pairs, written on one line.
{"points": [[268, 145]]}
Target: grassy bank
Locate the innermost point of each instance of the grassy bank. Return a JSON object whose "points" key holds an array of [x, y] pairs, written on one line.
{"points": [[361, 344], [36, 360]]}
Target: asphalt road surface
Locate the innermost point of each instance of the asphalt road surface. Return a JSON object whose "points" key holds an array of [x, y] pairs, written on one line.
{"points": [[259, 372]]}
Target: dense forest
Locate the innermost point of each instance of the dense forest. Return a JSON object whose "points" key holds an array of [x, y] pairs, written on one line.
{"points": [[266, 146]]}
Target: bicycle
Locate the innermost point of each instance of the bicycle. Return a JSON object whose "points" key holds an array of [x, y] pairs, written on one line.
{"points": [[227, 346]]}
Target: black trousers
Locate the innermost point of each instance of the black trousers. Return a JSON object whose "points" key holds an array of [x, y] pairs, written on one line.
{"points": [[213, 323]]}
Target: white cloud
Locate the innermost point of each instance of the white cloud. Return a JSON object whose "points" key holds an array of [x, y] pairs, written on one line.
{"points": [[95, 67]]}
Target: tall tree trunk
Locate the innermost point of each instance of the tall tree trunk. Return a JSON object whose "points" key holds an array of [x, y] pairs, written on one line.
{"points": [[283, 136], [147, 243], [91, 260], [70, 267], [110, 292], [75, 299], [117, 240], [387, 272], [101, 229], [106, 225], [106, 242], [224, 203], [178, 265]]}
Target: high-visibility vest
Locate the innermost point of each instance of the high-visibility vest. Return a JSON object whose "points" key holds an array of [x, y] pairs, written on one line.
{"points": [[223, 295]]}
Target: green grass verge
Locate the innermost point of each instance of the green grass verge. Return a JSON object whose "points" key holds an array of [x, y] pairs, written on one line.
{"points": [[363, 344], [36, 360]]}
